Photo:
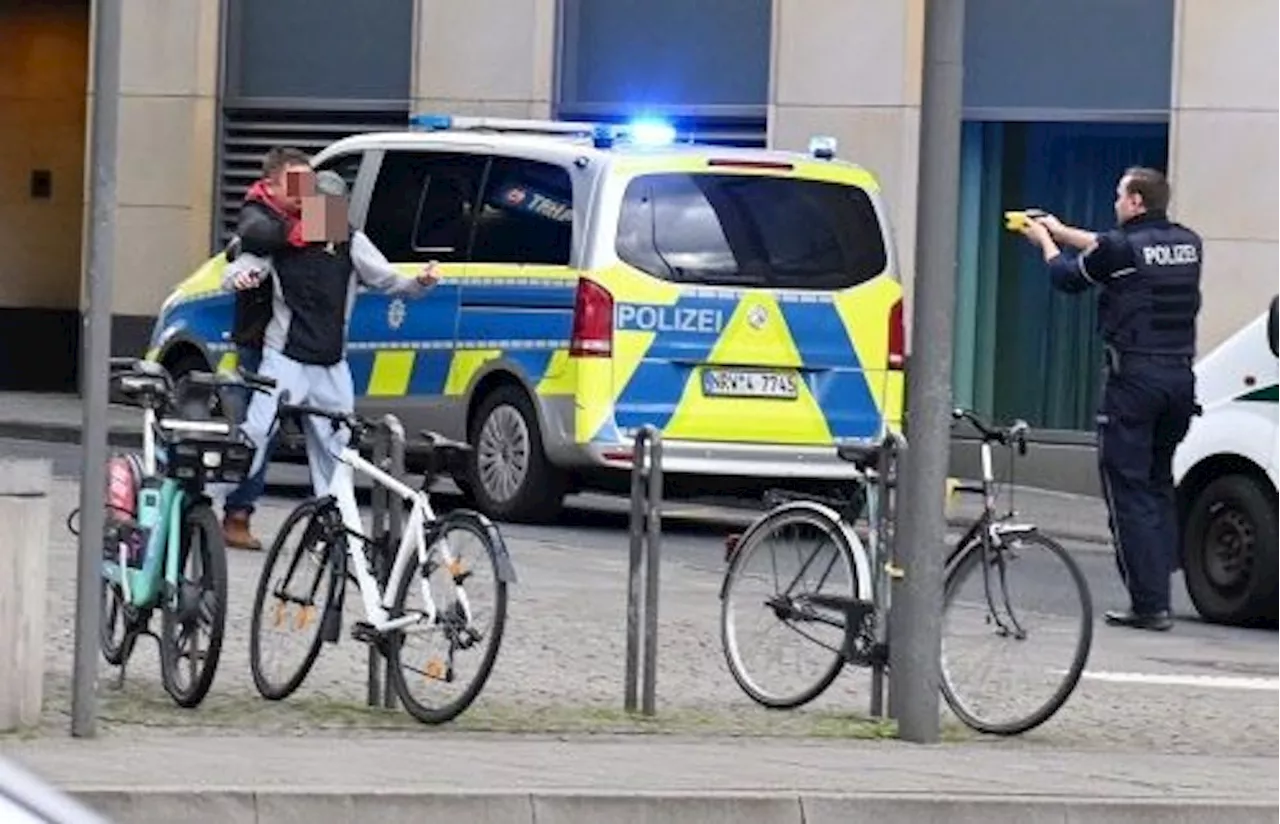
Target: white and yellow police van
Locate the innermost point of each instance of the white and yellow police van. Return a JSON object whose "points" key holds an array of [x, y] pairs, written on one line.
{"points": [[1225, 471], [597, 279]]}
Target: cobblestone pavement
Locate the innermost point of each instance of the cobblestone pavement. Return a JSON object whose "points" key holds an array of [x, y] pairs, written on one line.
{"points": [[561, 661]]}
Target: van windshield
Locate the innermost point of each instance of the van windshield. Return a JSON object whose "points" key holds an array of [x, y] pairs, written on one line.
{"points": [[750, 230]]}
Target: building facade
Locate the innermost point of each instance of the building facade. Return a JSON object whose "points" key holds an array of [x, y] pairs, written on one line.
{"points": [[1059, 97]]}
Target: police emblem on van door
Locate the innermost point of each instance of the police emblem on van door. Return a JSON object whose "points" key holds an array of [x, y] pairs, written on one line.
{"points": [[396, 311], [757, 316]]}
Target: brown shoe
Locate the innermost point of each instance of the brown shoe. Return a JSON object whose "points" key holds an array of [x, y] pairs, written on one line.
{"points": [[236, 534]]}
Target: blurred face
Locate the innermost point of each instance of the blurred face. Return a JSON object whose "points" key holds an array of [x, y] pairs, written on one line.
{"points": [[1127, 205], [290, 184]]}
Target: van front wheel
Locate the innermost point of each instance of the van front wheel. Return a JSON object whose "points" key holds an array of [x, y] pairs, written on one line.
{"points": [[510, 476], [1229, 552]]}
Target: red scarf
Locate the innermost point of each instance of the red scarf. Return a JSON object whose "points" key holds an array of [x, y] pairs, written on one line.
{"points": [[259, 192]]}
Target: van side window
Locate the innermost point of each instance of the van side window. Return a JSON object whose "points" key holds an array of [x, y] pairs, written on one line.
{"points": [[422, 205], [526, 214]]}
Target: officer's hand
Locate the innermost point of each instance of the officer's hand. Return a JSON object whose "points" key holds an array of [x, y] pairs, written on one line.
{"points": [[246, 280], [1036, 232], [430, 275], [1049, 222]]}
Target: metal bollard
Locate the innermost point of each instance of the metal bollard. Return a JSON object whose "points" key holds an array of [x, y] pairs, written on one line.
{"points": [[378, 527], [888, 468], [387, 527], [395, 529], [646, 550], [24, 512]]}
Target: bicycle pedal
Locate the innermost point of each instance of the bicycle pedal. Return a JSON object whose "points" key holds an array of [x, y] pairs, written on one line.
{"points": [[894, 571], [365, 633]]}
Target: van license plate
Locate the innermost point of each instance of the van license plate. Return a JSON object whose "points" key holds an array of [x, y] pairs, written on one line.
{"points": [[748, 383]]}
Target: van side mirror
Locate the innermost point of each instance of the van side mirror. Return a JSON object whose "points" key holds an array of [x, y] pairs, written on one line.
{"points": [[1273, 317]]}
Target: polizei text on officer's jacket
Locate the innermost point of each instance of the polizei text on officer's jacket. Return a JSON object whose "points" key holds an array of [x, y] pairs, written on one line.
{"points": [[1162, 254]]}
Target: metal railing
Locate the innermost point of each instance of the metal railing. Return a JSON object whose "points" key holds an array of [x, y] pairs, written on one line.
{"points": [[646, 550]]}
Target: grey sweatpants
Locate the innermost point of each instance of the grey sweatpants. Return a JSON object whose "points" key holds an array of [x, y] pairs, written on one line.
{"points": [[327, 387]]}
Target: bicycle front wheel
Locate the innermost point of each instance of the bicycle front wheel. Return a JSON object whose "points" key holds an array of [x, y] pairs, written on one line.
{"points": [[440, 666], [294, 590], [1017, 627], [784, 646], [192, 624]]}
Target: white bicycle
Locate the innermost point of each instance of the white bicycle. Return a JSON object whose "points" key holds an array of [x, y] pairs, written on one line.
{"points": [[321, 545]]}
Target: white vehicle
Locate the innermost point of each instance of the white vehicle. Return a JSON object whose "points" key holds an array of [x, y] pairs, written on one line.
{"points": [[1225, 471]]}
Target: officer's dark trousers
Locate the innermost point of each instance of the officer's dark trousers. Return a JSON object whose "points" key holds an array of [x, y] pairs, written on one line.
{"points": [[1147, 404]]}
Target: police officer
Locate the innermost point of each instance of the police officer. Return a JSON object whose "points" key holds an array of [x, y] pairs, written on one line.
{"points": [[1147, 271]]}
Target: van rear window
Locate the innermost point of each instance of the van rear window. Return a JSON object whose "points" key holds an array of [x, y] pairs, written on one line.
{"points": [[750, 230]]}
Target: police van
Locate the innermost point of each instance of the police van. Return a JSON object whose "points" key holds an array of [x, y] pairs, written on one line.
{"points": [[1225, 471], [599, 278]]}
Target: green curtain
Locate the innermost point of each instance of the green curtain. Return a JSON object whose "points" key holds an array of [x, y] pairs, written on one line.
{"points": [[1022, 349]]}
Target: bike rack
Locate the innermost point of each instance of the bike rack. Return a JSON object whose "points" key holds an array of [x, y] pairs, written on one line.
{"points": [[388, 525], [646, 547]]}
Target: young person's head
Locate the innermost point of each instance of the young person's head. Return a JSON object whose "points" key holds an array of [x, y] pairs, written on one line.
{"points": [[282, 165]]}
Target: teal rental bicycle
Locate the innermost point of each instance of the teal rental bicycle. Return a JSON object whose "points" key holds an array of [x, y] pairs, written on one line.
{"points": [[162, 544]]}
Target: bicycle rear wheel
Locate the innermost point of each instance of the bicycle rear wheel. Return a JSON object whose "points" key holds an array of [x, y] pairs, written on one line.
{"points": [[1018, 609], [295, 588], [186, 666], [438, 669], [794, 553]]}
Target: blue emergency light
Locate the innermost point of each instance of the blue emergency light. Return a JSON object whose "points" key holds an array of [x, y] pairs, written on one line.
{"points": [[652, 133], [431, 121]]}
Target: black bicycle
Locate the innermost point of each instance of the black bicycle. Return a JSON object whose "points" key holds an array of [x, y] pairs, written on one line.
{"points": [[802, 574]]}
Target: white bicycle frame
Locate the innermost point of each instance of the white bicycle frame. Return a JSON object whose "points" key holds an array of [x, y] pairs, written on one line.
{"points": [[377, 604]]}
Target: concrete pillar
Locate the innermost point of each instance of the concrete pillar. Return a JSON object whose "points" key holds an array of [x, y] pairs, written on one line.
{"points": [[168, 128], [851, 69], [484, 57], [24, 521], [1223, 165]]}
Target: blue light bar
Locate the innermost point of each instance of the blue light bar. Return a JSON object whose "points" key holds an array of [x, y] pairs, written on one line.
{"points": [[651, 133], [431, 121], [602, 136]]}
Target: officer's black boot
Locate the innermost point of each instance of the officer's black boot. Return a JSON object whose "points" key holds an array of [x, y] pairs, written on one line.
{"points": [[1157, 621]]}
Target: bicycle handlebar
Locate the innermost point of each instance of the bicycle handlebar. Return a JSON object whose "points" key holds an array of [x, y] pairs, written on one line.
{"points": [[1014, 435], [151, 385], [352, 421]]}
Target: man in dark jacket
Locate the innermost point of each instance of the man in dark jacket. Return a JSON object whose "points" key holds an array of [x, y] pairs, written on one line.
{"points": [[1147, 272], [269, 216]]}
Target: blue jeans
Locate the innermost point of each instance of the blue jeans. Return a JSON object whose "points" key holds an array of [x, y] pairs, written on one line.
{"points": [[243, 497]]}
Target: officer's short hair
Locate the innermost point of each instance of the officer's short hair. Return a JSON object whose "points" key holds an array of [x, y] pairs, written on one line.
{"points": [[282, 156], [1148, 184]]}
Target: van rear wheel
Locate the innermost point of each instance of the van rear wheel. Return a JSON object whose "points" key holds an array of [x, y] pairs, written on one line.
{"points": [[1229, 547], [511, 478]]}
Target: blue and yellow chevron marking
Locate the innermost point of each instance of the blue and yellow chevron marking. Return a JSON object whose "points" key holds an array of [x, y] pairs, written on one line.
{"points": [[664, 335]]}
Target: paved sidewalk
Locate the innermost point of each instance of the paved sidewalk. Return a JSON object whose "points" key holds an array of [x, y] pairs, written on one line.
{"points": [[57, 417], [416, 776]]}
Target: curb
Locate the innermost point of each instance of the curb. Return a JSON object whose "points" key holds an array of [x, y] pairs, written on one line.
{"points": [[287, 806]]}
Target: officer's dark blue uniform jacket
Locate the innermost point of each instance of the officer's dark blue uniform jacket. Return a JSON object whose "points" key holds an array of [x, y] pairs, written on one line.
{"points": [[1148, 274]]}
